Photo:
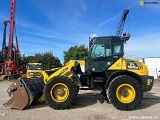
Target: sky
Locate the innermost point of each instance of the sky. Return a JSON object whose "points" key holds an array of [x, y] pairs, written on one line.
{"points": [[56, 25]]}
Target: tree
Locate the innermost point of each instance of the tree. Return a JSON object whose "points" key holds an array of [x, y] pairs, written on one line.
{"points": [[25, 59], [76, 53], [48, 59], [37, 58]]}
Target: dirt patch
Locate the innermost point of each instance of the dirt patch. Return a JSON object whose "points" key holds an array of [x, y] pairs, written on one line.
{"points": [[89, 105]]}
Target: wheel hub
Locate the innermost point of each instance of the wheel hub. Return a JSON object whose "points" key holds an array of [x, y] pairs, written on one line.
{"points": [[60, 92], [124, 92]]}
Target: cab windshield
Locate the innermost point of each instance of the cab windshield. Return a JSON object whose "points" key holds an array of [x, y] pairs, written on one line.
{"points": [[106, 47], [104, 51], [31, 66]]}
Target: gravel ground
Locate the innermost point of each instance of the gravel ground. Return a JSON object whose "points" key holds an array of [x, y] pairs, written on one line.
{"points": [[89, 105]]}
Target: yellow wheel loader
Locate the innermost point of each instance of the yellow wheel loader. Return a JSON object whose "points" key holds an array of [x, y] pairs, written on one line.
{"points": [[121, 81], [34, 70]]}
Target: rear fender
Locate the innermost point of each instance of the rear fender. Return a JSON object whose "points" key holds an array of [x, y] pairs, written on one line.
{"points": [[128, 73]]}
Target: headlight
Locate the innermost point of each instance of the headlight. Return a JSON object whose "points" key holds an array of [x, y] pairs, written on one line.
{"points": [[30, 73]]}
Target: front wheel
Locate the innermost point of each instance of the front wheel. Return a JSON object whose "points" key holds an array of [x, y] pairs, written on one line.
{"points": [[125, 93], [60, 92]]}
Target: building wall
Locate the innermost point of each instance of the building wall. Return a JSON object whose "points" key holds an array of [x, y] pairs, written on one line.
{"points": [[153, 66]]}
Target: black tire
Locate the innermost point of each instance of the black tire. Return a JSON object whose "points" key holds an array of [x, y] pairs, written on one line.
{"points": [[51, 91], [77, 89], [115, 88]]}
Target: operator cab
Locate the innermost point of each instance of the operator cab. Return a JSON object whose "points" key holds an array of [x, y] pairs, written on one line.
{"points": [[34, 66], [104, 51]]}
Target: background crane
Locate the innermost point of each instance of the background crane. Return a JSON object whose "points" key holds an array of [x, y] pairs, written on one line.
{"points": [[121, 23]]}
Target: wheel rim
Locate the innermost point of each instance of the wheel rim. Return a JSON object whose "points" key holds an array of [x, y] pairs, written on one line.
{"points": [[125, 93], [59, 92]]}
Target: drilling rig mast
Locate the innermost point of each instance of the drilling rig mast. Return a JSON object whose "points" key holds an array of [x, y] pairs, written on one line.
{"points": [[9, 64]]}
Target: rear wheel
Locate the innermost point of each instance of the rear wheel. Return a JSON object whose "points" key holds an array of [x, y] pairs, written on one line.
{"points": [[60, 92], [124, 93]]}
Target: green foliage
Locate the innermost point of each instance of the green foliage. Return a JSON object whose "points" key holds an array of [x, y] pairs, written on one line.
{"points": [[48, 59], [24, 59], [76, 53], [37, 58]]}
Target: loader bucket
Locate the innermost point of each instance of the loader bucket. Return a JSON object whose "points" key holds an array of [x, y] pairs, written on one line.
{"points": [[24, 92]]}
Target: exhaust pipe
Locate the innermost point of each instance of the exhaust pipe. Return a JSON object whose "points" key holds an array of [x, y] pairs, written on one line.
{"points": [[24, 92]]}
